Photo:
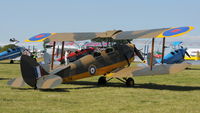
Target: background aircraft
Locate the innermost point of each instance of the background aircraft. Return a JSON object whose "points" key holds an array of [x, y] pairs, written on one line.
{"points": [[194, 54], [175, 56], [13, 52]]}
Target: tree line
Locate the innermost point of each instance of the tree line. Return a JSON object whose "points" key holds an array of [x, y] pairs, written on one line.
{"points": [[5, 48]]}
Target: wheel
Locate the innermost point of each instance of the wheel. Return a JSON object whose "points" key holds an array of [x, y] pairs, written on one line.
{"points": [[102, 81], [130, 82], [11, 61]]}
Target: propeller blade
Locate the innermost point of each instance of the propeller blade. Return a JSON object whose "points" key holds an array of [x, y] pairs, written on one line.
{"points": [[187, 54], [138, 53]]}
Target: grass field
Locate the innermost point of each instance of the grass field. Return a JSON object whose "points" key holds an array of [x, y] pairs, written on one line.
{"points": [[177, 93]]}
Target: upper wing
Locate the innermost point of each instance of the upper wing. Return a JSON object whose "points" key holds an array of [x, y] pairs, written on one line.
{"points": [[72, 36], [139, 34], [157, 33], [115, 34]]}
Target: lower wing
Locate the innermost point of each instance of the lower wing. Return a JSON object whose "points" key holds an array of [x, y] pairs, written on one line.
{"points": [[146, 71]]}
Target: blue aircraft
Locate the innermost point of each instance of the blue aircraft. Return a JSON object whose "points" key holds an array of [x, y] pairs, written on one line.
{"points": [[175, 56], [11, 54]]}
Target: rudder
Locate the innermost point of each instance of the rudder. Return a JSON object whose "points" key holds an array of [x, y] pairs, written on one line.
{"points": [[31, 70]]}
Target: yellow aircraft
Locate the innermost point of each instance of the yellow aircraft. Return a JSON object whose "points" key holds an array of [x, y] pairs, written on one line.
{"points": [[113, 62], [194, 55]]}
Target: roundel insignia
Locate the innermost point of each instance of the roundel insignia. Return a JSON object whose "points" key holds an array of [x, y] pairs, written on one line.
{"points": [[39, 37], [173, 32], [92, 69]]}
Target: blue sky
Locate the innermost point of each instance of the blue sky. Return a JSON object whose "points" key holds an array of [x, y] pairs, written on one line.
{"points": [[23, 19]]}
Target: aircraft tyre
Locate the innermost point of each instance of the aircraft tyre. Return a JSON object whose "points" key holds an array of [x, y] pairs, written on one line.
{"points": [[102, 81], [11, 61], [130, 82]]}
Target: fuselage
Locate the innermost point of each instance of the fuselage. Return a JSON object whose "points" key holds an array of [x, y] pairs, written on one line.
{"points": [[98, 63], [176, 56]]}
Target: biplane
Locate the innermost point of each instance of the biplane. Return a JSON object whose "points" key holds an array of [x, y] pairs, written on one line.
{"points": [[176, 55], [113, 62]]}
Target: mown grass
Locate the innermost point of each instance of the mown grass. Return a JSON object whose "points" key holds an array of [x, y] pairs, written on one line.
{"points": [[177, 93]]}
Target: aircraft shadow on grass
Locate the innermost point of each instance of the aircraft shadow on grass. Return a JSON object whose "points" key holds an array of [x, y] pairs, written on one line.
{"points": [[88, 85], [145, 86], [9, 63], [55, 90], [192, 68], [166, 87], [4, 78], [45, 90]]}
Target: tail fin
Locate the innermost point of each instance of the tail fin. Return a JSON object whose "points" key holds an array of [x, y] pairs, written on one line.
{"points": [[36, 76], [31, 70]]}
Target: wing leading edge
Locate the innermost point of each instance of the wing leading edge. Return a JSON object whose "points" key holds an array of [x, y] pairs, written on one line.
{"points": [[115, 34]]}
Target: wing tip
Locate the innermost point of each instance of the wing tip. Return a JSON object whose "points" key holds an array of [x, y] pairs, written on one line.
{"points": [[175, 31]]}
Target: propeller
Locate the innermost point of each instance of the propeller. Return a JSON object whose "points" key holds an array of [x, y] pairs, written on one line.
{"points": [[187, 54], [142, 53], [134, 51], [138, 53]]}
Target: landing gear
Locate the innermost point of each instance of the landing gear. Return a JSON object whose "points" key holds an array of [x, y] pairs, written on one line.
{"points": [[11, 61], [102, 81], [130, 82]]}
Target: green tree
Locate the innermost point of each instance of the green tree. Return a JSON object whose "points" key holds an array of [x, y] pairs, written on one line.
{"points": [[5, 48]]}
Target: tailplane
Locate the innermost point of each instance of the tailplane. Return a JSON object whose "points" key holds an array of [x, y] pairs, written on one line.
{"points": [[16, 82]]}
